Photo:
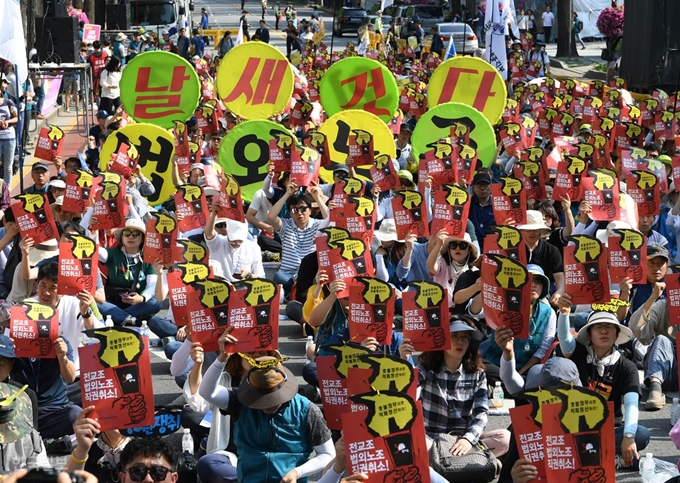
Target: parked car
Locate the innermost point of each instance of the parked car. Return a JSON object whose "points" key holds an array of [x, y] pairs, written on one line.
{"points": [[429, 15], [349, 20], [464, 39], [370, 20]]}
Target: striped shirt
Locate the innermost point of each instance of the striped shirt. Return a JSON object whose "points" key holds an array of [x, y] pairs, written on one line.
{"points": [[296, 243], [454, 402]]}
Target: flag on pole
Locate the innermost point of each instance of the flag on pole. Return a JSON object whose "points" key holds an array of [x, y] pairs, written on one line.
{"points": [[451, 51], [363, 46], [239, 37], [496, 19], [12, 44], [385, 3]]}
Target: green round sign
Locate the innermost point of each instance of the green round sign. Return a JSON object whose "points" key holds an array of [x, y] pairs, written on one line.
{"points": [[359, 83], [159, 88], [244, 153], [458, 120]]}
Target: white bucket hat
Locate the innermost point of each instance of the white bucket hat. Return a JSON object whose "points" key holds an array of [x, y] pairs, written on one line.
{"points": [[535, 221], [387, 231]]}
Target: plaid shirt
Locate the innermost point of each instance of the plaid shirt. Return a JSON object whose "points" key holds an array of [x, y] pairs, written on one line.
{"points": [[454, 402]]}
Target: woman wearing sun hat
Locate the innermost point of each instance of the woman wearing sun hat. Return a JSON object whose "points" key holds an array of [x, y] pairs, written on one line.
{"points": [[603, 369], [449, 258]]}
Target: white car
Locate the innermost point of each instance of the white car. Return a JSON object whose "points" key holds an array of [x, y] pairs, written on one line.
{"points": [[464, 38]]}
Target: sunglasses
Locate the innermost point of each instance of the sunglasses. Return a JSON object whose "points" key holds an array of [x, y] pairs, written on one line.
{"points": [[341, 174], [131, 233], [460, 337], [220, 225], [299, 209], [454, 245], [157, 472]]}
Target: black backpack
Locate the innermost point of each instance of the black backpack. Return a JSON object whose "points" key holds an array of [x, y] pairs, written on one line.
{"points": [[579, 26]]}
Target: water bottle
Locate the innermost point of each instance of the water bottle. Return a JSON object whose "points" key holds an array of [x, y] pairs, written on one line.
{"points": [[134, 321], [675, 411], [144, 330], [109, 321], [187, 450], [647, 468], [498, 396], [310, 342]]}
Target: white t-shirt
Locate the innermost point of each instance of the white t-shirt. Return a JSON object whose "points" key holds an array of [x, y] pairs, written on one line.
{"points": [[261, 204], [548, 18], [248, 257]]}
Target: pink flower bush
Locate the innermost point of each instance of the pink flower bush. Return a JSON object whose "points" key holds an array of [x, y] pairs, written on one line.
{"points": [[78, 14], [610, 21]]}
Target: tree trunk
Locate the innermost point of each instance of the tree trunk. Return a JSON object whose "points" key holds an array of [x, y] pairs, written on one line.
{"points": [[88, 6], [564, 22]]}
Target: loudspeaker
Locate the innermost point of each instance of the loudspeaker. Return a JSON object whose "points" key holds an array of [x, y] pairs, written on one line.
{"points": [[54, 8], [57, 39], [118, 17], [650, 53]]}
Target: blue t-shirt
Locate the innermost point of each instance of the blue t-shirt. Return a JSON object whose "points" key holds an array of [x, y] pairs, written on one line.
{"points": [[44, 377], [199, 45]]}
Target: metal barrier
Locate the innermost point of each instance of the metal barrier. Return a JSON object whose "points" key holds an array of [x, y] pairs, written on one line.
{"points": [[216, 34]]}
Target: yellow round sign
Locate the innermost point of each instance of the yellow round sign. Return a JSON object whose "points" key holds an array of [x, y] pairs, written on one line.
{"points": [[155, 147], [255, 80], [470, 81], [338, 129]]}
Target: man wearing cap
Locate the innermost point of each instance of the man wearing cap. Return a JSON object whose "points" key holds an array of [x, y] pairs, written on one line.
{"points": [[481, 210], [97, 129], [654, 287], [541, 56], [40, 174], [403, 145], [267, 403], [603, 369], [240, 258], [650, 323]]}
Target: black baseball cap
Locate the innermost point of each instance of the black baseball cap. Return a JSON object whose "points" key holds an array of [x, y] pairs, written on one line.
{"points": [[481, 178]]}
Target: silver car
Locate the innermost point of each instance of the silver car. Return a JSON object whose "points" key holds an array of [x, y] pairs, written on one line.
{"points": [[464, 38]]}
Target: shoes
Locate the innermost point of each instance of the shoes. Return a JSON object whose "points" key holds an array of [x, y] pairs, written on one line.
{"points": [[621, 464], [66, 109], [655, 401], [167, 340], [268, 256], [40, 116], [61, 445]]}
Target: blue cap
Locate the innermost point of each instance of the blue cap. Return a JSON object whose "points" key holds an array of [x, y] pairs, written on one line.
{"points": [[7, 350], [102, 114]]}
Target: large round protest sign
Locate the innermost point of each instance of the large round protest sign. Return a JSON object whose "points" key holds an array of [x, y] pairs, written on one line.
{"points": [[155, 147], [460, 121], [244, 153], [159, 88], [359, 83], [255, 80], [470, 81], [346, 124]]}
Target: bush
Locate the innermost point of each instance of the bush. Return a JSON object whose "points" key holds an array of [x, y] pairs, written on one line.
{"points": [[610, 22]]}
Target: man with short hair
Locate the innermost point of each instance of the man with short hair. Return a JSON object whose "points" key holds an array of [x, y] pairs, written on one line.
{"points": [[40, 174], [198, 44], [548, 17], [183, 43], [262, 33], [481, 210]]}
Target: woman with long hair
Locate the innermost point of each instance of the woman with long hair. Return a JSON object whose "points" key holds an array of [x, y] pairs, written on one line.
{"points": [[109, 81], [454, 391]]}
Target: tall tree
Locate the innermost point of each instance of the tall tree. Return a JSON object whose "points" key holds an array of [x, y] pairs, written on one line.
{"points": [[564, 16]]}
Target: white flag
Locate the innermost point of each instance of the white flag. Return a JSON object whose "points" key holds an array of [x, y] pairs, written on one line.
{"points": [[451, 51], [12, 45], [495, 24], [239, 37], [385, 3], [363, 46]]}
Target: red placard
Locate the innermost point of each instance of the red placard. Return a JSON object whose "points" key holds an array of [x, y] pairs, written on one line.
{"points": [[181, 135], [602, 193], [585, 270], [193, 156], [508, 201], [349, 187], [281, 152], [410, 214], [343, 257], [110, 209], [180, 290], [357, 217], [533, 177], [304, 166], [34, 217], [209, 311], [191, 251], [426, 321], [568, 179], [466, 162], [33, 328], [124, 161], [116, 379], [78, 190], [508, 241], [360, 147], [673, 297], [160, 239], [49, 144], [78, 265], [254, 314], [191, 207], [506, 294], [643, 187], [627, 256], [439, 164], [371, 310], [529, 438], [383, 173], [318, 141], [230, 200], [208, 116], [450, 210]]}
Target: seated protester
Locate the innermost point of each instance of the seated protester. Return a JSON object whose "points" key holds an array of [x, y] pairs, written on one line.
{"points": [[139, 188], [165, 327], [340, 173], [645, 225], [298, 232], [605, 370], [481, 210], [454, 391], [641, 293], [405, 183], [131, 282], [651, 325], [59, 215], [450, 257], [542, 326], [56, 188], [388, 254], [259, 225], [22, 446], [75, 314], [194, 174], [265, 403], [541, 253], [240, 258], [8, 361], [468, 286], [413, 265], [304, 285], [209, 152], [558, 234], [48, 378]]}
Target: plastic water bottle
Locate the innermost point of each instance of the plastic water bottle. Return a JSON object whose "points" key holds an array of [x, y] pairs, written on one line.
{"points": [[144, 330], [498, 396], [647, 468], [187, 450], [109, 321], [310, 342], [675, 411]]}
